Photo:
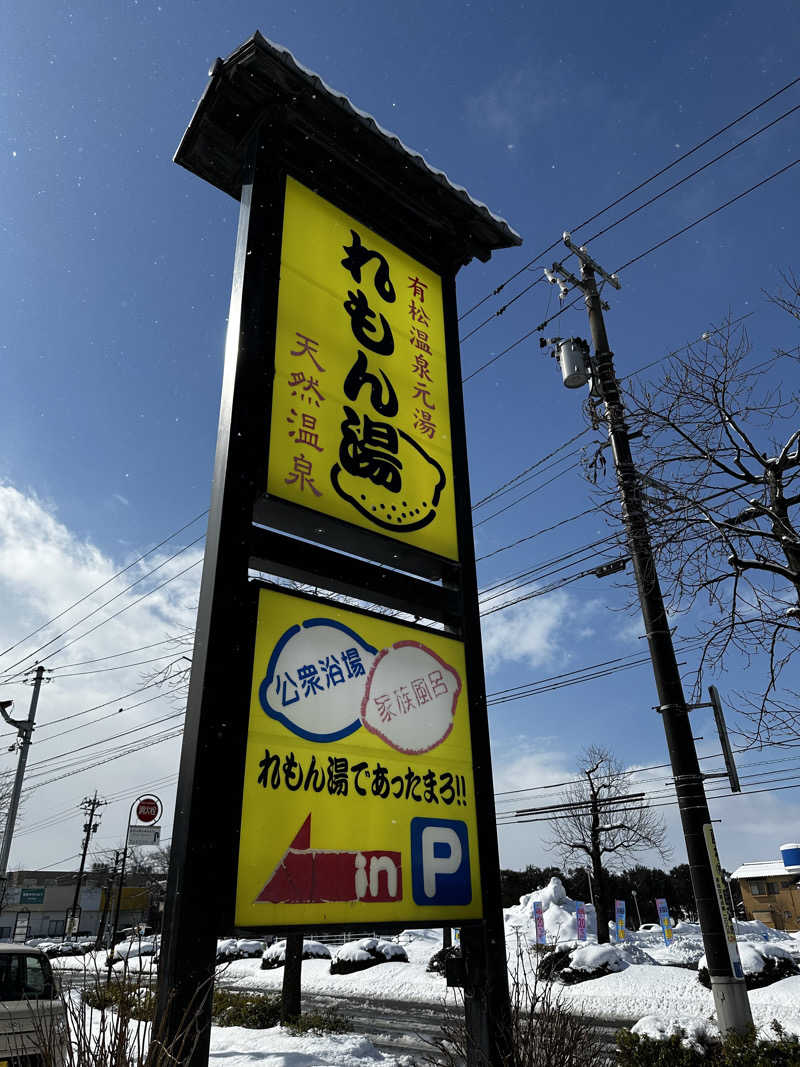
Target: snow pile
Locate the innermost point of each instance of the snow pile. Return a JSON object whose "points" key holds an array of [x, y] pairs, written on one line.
{"points": [[366, 952], [226, 949], [754, 930], [237, 1047], [126, 950], [592, 961], [597, 957], [248, 948], [693, 1029], [232, 948], [558, 910], [275, 955], [754, 956], [681, 952], [633, 953]]}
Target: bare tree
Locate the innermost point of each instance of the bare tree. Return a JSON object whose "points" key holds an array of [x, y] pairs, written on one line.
{"points": [[604, 821], [719, 466]]}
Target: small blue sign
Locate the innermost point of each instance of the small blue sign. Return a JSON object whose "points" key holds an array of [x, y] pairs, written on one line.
{"points": [[440, 869]]}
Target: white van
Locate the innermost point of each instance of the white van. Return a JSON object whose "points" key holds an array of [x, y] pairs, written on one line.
{"points": [[31, 1010]]}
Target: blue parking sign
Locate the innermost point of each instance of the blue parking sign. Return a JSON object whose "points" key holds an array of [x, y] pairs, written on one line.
{"points": [[440, 869]]}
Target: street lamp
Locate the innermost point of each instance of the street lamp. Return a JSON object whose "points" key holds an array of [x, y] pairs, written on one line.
{"points": [[636, 902]]}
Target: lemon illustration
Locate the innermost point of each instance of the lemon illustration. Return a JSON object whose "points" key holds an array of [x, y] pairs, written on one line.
{"points": [[396, 487]]}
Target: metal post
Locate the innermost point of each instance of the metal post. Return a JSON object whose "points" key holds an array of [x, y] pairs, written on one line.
{"points": [[201, 882], [487, 1007], [730, 993], [25, 731], [292, 970], [118, 901], [589, 879], [636, 902]]}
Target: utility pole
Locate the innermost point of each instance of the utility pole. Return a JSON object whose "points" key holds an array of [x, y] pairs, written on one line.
{"points": [[89, 806], [24, 728], [101, 930], [728, 988]]}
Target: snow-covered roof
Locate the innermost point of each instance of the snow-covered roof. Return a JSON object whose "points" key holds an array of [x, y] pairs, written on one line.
{"points": [[263, 82], [760, 869]]}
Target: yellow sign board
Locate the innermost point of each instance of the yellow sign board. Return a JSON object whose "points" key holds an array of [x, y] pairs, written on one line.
{"points": [[360, 425], [359, 800]]}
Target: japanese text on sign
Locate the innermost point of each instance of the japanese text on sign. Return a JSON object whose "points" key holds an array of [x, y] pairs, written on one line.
{"points": [[358, 789], [360, 426]]}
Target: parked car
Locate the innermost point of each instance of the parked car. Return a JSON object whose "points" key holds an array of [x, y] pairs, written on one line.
{"points": [[32, 1013]]}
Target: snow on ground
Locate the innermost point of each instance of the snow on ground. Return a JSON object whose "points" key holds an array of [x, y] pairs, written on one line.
{"points": [[233, 1046], [641, 990], [655, 980]]}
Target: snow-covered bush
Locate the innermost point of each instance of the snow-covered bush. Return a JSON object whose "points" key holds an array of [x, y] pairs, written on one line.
{"points": [[367, 952], [232, 948], [762, 962], [275, 955], [592, 961], [226, 950], [438, 961], [690, 1041]]}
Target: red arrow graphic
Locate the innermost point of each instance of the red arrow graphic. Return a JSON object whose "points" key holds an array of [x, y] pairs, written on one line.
{"points": [[315, 876]]}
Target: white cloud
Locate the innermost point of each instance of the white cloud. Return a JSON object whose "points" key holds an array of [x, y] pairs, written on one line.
{"points": [[44, 568], [530, 632]]}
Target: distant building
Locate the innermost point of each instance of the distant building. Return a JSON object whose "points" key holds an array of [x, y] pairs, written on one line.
{"points": [[771, 889], [46, 896]]}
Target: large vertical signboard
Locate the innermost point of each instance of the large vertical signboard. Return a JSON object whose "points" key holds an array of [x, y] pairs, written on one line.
{"points": [[359, 803], [360, 423]]}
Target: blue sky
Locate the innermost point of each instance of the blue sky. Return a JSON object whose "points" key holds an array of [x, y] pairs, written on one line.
{"points": [[115, 281]]}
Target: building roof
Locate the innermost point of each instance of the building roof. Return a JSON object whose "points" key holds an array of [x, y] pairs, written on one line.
{"points": [[262, 83], [760, 869]]}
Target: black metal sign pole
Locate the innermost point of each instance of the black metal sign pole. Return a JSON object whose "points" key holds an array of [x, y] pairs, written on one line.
{"points": [[208, 806], [486, 1001]]}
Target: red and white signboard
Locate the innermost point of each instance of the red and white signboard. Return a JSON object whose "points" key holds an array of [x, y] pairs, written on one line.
{"points": [[148, 809]]}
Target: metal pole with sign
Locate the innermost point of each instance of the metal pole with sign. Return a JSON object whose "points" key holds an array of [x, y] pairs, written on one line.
{"points": [[148, 810], [352, 748]]}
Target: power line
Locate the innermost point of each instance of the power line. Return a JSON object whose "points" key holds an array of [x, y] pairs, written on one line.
{"points": [[636, 188], [110, 601], [97, 589], [692, 174], [127, 652], [659, 244], [513, 482], [709, 214]]}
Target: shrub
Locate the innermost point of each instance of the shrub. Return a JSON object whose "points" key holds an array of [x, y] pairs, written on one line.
{"points": [[254, 1011], [328, 1021], [592, 961], [368, 952], [552, 960], [438, 961], [736, 1050], [275, 955], [128, 998], [543, 1032], [774, 969]]}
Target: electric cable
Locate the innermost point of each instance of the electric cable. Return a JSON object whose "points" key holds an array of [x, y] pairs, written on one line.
{"points": [[663, 170], [97, 589], [110, 601]]}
